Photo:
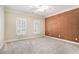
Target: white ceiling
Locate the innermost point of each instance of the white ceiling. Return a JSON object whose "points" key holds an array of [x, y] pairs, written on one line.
{"points": [[55, 9]]}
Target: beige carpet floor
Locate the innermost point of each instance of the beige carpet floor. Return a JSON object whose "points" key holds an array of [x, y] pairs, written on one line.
{"points": [[43, 45]]}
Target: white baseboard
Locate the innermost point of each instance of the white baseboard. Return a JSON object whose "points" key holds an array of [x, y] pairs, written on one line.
{"points": [[63, 40], [12, 40]]}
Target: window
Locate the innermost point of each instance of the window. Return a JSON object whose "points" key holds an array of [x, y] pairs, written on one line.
{"points": [[21, 26], [37, 26]]}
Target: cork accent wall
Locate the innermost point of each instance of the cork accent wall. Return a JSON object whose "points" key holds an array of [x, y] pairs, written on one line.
{"points": [[64, 25]]}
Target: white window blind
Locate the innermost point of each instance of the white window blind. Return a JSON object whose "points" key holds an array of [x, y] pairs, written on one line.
{"points": [[21, 25]]}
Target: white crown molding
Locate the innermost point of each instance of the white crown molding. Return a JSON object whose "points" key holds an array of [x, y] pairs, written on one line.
{"points": [[62, 11]]}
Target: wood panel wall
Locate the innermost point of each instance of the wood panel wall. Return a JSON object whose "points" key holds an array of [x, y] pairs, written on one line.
{"points": [[64, 25]]}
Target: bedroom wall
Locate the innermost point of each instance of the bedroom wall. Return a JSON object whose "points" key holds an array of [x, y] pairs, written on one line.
{"points": [[64, 25], [11, 25], [1, 26]]}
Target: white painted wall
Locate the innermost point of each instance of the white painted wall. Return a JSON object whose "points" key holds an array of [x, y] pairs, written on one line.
{"points": [[1, 26], [10, 23]]}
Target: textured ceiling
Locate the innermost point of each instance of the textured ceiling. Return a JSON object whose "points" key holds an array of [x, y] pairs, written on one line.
{"points": [[51, 11]]}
